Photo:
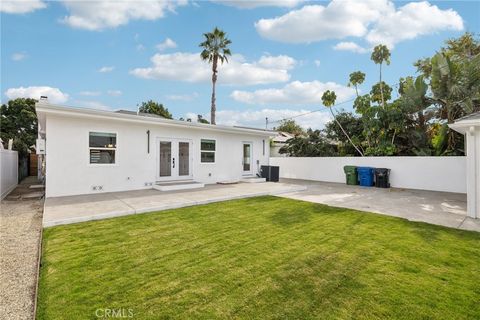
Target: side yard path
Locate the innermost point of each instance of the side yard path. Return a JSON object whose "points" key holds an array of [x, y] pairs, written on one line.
{"points": [[20, 232]]}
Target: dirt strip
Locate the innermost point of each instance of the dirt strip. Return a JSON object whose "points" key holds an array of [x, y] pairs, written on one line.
{"points": [[20, 232]]}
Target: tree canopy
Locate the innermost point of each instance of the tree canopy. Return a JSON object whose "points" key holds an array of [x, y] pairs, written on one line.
{"points": [[410, 120], [153, 107], [290, 126], [18, 121]]}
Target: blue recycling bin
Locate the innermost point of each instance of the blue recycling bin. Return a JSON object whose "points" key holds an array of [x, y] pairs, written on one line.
{"points": [[365, 176]]}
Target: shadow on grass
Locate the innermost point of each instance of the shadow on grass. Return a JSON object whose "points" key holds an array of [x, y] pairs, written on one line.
{"points": [[288, 217]]}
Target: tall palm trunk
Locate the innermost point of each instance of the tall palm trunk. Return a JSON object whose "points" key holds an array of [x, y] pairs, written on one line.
{"points": [[213, 108], [345, 133], [381, 87]]}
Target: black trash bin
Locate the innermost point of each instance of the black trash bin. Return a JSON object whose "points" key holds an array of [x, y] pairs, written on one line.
{"points": [[270, 173], [382, 178]]}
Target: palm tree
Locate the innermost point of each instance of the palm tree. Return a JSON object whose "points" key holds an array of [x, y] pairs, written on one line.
{"points": [[328, 100], [379, 55], [215, 47], [356, 79]]}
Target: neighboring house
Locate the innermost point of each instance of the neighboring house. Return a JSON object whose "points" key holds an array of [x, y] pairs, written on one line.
{"points": [[91, 151], [278, 142], [470, 127]]}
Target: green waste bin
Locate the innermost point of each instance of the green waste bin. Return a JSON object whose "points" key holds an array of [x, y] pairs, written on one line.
{"points": [[351, 175]]}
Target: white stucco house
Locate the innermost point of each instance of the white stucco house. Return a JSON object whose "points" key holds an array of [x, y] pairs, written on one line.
{"points": [[90, 151], [470, 127]]}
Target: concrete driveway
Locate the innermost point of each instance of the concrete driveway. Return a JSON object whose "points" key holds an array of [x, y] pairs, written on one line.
{"points": [[441, 208]]}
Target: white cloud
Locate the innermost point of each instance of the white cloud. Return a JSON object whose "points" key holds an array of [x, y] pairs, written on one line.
{"points": [[294, 93], [376, 21], [21, 6], [104, 14], [140, 47], [54, 94], [90, 93], [277, 62], [339, 19], [256, 118], [114, 93], [189, 67], [182, 97], [251, 4], [106, 69], [19, 56], [349, 46], [317, 63], [412, 20], [167, 44]]}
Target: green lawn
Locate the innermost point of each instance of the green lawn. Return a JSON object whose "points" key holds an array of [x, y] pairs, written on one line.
{"points": [[260, 258]]}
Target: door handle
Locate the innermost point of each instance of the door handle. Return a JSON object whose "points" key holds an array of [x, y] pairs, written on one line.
{"points": [[174, 163]]}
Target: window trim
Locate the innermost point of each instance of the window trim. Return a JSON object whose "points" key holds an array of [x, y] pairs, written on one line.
{"points": [[102, 148], [208, 151]]}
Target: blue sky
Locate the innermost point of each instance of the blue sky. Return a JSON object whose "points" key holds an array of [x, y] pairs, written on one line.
{"points": [[112, 55]]}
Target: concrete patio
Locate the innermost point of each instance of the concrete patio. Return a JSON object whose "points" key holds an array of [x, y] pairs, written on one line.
{"points": [[66, 210], [441, 208]]}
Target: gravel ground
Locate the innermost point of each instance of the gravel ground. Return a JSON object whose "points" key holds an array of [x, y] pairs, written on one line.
{"points": [[20, 230]]}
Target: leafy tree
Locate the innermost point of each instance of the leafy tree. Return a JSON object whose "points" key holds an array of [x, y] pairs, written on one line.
{"points": [[466, 46], [380, 93], [356, 79], [313, 144], [18, 121], [200, 119], [413, 128], [215, 48], [353, 125], [453, 77], [290, 126], [153, 107], [328, 99], [380, 55]]}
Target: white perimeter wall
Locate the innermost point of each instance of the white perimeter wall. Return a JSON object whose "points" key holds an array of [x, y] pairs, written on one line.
{"points": [[9, 171], [426, 173], [68, 171]]}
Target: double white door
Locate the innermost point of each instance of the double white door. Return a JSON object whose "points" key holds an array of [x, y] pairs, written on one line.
{"points": [[174, 159]]}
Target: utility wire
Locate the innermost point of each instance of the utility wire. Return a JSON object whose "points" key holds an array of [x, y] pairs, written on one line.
{"points": [[309, 112], [268, 122]]}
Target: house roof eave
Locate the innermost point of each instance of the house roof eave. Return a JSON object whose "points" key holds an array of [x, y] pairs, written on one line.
{"points": [[47, 108]]}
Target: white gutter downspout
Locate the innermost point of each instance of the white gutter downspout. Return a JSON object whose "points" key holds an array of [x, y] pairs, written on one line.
{"points": [[473, 173]]}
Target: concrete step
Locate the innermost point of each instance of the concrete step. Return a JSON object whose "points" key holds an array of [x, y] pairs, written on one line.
{"points": [[177, 185], [253, 179]]}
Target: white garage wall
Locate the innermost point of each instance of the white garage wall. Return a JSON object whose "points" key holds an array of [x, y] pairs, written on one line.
{"points": [[9, 171], [426, 173]]}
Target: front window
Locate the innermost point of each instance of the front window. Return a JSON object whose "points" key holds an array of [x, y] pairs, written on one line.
{"points": [[102, 147], [207, 150]]}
